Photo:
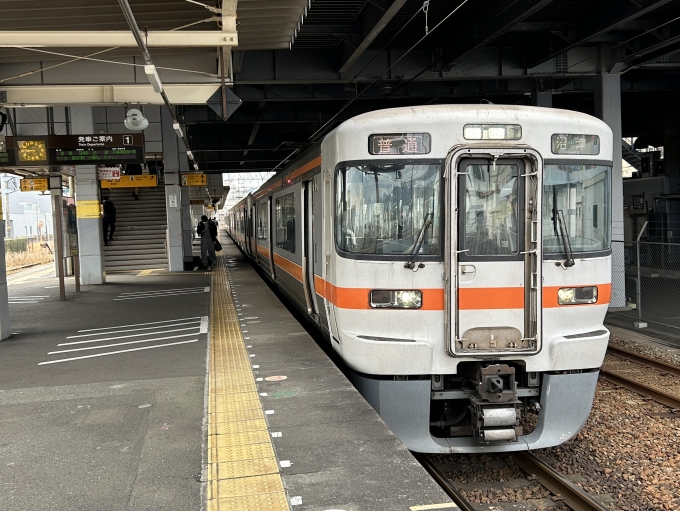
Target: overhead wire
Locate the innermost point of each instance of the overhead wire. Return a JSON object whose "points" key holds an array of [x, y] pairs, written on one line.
{"points": [[388, 69]]}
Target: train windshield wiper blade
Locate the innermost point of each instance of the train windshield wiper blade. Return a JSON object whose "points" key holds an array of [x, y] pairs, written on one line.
{"points": [[411, 263], [564, 233]]}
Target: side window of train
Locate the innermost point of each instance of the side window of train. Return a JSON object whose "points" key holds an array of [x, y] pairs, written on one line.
{"points": [[285, 222], [262, 220]]}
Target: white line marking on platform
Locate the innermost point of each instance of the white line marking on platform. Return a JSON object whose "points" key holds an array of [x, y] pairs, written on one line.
{"points": [[204, 325], [122, 343], [160, 291], [133, 330], [140, 324], [124, 336], [206, 289], [117, 352], [25, 301], [158, 296]]}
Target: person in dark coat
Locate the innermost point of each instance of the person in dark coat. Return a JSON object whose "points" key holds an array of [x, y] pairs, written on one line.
{"points": [[207, 230], [109, 219]]}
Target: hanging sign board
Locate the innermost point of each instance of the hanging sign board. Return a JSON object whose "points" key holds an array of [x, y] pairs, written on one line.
{"points": [[194, 180], [41, 184], [109, 173], [197, 202], [140, 181], [72, 150]]}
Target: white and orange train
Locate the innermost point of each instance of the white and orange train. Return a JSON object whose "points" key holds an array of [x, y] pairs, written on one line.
{"points": [[458, 260]]}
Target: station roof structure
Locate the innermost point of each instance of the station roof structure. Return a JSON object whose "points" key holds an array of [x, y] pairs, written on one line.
{"points": [[303, 66]]}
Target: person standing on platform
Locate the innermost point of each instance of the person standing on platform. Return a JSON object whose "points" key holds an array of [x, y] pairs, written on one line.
{"points": [[207, 230], [109, 219]]}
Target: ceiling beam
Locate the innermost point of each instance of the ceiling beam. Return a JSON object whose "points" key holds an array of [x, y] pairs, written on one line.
{"points": [[597, 19], [53, 95], [379, 26], [661, 50], [118, 38], [495, 22]]}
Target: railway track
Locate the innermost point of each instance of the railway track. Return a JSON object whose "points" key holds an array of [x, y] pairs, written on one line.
{"points": [[665, 398], [561, 487]]}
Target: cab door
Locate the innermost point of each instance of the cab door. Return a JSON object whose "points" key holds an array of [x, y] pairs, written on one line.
{"points": [[489, 258]]}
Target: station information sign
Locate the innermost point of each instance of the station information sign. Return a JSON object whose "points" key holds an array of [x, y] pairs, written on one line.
{"points": [[194, 180], [138, 181], [73, 150], [110, 173], [41, 184]]}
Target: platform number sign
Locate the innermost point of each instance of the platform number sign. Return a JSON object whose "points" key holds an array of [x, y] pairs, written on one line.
{"points": [[127, 139]]}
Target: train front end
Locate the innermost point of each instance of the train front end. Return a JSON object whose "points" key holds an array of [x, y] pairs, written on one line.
{"points": [[481, 239]]}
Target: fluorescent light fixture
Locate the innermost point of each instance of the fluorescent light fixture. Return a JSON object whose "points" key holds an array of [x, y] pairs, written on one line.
{"points": [[178, 129], [190, 155], [195, 166], [153, 77]]}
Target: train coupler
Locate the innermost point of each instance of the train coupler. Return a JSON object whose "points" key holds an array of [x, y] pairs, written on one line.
{"points": [[495, 408]]}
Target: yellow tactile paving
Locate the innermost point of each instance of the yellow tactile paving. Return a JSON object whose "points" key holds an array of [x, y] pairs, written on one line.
{"points": [[243, 473]]}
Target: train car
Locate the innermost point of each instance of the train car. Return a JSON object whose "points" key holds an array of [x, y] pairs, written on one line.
{"points": [[458, 259]]}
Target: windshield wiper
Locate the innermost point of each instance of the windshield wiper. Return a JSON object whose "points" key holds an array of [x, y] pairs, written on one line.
{"points": [[565, 240], [411, 264]]}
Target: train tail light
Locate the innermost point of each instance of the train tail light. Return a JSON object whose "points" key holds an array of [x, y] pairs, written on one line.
{"points": [[577, 295]]}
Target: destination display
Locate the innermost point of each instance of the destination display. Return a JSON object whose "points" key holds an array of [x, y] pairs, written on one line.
{"points": [[399, 143], [73, 150], [564, 143]]}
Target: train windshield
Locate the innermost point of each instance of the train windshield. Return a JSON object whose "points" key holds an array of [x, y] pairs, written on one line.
{"points": [[383, 207], [582, 193]]}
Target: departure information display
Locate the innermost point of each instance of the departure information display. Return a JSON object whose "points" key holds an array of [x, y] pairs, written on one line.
{"points": [[101, 149], [100, 156]]}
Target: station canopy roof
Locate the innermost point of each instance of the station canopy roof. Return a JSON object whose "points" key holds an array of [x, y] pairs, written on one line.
{"points": [[301, 67]]}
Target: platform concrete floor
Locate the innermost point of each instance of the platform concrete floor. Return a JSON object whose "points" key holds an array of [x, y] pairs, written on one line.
{"points": [[115, 432], [335, 450]]}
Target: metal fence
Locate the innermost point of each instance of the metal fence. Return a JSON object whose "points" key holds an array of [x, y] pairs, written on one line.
{"points": [[651, 285], [28, 243]]}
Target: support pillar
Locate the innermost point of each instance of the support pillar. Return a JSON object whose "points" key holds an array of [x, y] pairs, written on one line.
{"points": [[608, 108], [90, 230], [172, 146], [173, 207], [187, 226], [5, 330]]}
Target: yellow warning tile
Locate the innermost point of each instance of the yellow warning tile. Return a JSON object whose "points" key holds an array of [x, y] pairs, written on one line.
{"points": [[249, 486], [240, 452], [262, 502], [243, 473], [245, 468], [246, 438]]}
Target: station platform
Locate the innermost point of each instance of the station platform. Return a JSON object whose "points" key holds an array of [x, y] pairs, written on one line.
{"points": [[187, 391]]}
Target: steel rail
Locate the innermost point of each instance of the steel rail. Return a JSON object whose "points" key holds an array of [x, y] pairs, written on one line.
{"points": [[444, 482], [556, 483], [642, 359], [664, 398]]}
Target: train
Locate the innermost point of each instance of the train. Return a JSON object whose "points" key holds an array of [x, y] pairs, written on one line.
{"points": [[458, 259]]}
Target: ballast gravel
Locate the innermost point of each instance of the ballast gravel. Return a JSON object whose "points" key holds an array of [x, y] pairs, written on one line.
{"points": [[627, 455]]}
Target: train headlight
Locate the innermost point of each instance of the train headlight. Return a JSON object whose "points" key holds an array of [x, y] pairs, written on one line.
{"points": [[492, 131], [406, 299], [576, 295]]}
